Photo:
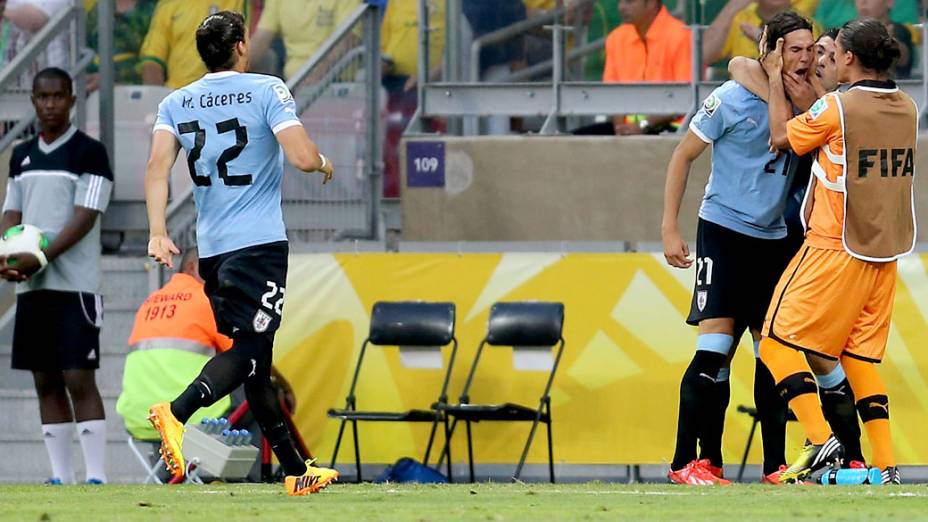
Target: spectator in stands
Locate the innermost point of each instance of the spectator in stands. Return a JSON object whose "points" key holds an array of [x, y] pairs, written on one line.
{"points": [[169, 51], [835, 13], [399, 43], [599, 19], [26, 18], [538, 43], [649, 46], [302, 24], [880, 9], [737, 29], [131, 24]]}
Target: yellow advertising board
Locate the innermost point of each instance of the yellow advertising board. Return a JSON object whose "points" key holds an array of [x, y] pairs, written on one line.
{"points": [[615, 396]]}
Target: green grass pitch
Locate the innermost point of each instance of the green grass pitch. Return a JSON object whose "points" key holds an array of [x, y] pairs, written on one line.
{"points": [[485, 502]]}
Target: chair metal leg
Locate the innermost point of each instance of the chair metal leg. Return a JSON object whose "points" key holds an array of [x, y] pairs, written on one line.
{"points": [[747, 449], [470, 453], [357, 449], [528, 444], [338, 443], [550, 451], [448, 450], [428, 448]]}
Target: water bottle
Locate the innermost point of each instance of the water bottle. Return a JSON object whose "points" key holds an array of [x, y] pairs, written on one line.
{"points": [[224, 436], [204, 425], [851, 477], [223, 424], [245, 437], [213, 426], [234, 436]]}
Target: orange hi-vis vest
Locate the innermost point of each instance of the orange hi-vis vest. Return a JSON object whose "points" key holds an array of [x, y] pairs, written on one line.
{"points": [[861, 195], [178, 317]]}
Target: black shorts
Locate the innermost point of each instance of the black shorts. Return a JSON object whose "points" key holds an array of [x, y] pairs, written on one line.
{"points": [[56, 331], [246, 288], [736, 274]]}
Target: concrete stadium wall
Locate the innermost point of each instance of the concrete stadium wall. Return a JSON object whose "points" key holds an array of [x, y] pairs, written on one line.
{"points": [[558, 189]]}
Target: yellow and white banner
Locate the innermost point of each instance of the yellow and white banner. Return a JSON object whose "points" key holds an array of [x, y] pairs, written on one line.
{"points": [[616, 393]]}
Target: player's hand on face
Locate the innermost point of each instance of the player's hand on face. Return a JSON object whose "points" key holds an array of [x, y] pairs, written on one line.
{"points": [[800, 91], [24, 265], [773, 61], [676, 250], [163, 250]]}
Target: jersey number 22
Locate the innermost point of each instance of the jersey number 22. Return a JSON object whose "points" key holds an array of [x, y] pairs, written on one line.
{"points": [[199, 141]]}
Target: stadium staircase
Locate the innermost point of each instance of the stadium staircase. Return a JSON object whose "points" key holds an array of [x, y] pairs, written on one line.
{"points": [[125, 286]]}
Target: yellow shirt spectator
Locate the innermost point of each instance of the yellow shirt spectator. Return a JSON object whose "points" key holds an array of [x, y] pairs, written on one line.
{"points": [[542, 5], [304, 25], [399, 35], [171, 39], [739, 44]]}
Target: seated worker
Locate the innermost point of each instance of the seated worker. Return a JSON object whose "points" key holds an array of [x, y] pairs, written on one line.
{"points": [[173, 336], [650, 46]]}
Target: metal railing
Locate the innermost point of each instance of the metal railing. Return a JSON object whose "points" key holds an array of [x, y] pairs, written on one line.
{"points": [[16, 97], [341, 111], [556, 99]]}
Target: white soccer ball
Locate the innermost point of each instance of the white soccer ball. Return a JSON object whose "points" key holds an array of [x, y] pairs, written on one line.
{"points": [[23, 238]]}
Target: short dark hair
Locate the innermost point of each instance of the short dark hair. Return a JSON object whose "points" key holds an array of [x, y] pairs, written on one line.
{"points": [[784, 23], [871, 43], [216, 39], [831, 33], [53, 73]]}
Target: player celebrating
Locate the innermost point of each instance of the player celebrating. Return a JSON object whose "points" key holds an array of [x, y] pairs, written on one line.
{"points": [[835, 298], [741, 251], [835, 391], [232, 126]]}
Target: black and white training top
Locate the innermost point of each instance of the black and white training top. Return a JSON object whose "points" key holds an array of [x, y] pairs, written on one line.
{"points": [[47, 180]]}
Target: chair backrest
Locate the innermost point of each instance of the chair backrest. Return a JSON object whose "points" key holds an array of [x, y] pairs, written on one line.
{"points": [[525, 324], [412, 323], [423, 326], [530, 327]]}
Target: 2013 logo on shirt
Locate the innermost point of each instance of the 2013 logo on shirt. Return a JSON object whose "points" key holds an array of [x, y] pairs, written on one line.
{"points": [[711, 104], [283, 93]]}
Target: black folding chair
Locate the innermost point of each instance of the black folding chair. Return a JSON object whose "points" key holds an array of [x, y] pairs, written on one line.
{"points": [[425, 326], [523, 326]]}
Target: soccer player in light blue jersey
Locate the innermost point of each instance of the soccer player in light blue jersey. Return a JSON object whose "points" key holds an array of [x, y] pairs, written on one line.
{"points": [[741, 251], [235, 129]]}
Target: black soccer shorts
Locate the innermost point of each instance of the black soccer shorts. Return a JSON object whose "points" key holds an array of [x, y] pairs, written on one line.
{"points": [[246, 288], [56, 330], [736, 274]]}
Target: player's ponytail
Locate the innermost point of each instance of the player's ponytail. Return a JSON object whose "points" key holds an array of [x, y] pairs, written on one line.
{"points": [[871, 43], [216, 39]]}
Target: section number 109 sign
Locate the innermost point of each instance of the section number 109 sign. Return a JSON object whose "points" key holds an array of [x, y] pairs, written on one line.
{"points": [[425, 164]]}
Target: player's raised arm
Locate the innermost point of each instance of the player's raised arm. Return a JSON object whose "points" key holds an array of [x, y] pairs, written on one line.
{"points": [[164, 147], [749, 73], [302, 153], [676, 250]]}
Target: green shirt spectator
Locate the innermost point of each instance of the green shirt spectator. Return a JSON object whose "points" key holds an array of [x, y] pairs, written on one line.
{"points": [[129, 30], [835, 13]]}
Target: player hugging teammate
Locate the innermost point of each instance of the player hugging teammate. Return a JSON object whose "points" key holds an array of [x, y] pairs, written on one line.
{"points": [[743, 244]]}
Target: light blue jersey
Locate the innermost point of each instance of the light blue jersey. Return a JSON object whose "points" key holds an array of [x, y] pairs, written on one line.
{"points": [[226, 123], [748, 185]]}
